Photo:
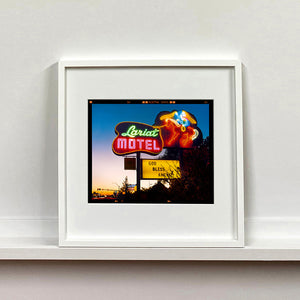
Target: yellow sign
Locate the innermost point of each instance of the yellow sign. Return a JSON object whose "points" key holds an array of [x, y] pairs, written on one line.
{"points": [[160, 169]]}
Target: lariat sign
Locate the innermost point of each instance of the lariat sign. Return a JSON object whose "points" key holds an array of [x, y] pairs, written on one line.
{"points": [[176, 129], [137, 137]]}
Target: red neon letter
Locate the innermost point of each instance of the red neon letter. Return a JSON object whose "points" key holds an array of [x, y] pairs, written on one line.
{"points": [[140, 143], [122, 143], [131, 143], [154, 146], [149, 145]]}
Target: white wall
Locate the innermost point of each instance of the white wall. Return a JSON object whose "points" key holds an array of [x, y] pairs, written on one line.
{"points": [[263, 34]]}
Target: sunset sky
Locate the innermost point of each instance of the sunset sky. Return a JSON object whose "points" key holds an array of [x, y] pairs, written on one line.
{"points": [[107, 168]]}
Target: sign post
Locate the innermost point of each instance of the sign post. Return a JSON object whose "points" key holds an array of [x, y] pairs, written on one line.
{"points": [[138, 171]]}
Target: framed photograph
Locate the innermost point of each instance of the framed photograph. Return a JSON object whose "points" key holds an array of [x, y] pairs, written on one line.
{"points": [[150, 154]]}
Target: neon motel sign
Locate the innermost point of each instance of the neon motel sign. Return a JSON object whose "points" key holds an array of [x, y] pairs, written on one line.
{"points": [[135, 137], [176, 129]]}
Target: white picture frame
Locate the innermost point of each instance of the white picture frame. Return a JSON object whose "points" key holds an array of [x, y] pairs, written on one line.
{"points": [[83, 80]]}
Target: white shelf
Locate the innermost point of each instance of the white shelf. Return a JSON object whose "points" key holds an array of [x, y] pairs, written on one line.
{"points": [[47, 249], [268, 239]]}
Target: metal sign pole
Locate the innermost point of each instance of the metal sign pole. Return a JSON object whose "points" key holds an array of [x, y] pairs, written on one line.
{"points": [[138, 171]]}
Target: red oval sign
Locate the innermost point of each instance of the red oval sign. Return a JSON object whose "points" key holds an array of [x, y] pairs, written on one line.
{"points": [[135, 137]]}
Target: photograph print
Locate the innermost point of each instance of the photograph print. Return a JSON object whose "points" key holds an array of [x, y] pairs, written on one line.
{"points": [[150, 151]]}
